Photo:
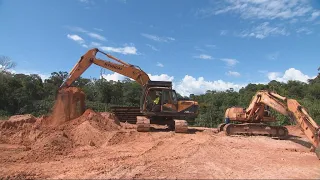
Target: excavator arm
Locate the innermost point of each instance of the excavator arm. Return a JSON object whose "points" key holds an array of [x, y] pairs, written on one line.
{"points": [[275, 101], [121, 67], [310, 128]]}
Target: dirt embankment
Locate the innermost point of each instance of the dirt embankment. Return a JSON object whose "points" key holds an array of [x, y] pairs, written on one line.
{"points": [[57, 134], [43, 141]]}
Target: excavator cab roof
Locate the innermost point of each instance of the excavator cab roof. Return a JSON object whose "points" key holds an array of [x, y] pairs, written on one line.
{"points": [[159, 84]]}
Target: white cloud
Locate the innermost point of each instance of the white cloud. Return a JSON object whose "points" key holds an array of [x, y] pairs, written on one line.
{"points": [[75, 38], [118, 77], [314, 15], [264, 30], [233, 73], [98, 29], [161, 77], [304, 30], [114, 77], [223, 32], [254, 11], [95, 44], [260, 9], [190, 85], [122, 50], [290, 74], [152, 47], [230, 62], [96, 36], [203, 56], [157, 38], [127, 49], [91, 34], [160, 64]]}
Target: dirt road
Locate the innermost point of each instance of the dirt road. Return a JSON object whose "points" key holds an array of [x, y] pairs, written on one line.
{"points": [[125, 153]]}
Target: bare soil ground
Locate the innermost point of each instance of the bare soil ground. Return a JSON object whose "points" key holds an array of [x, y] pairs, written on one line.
{"points": [[97, 146]]}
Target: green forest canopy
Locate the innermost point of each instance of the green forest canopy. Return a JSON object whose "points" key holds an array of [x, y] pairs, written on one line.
{"points": [[22, 94]]}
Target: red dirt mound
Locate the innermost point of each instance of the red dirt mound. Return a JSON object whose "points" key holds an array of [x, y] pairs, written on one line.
{"points": [[92, 129], [18, 130], [18, 121], [47, 142], [50, 145]]}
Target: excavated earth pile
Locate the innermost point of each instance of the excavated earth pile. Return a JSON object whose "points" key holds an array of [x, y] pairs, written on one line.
{"points": [[43, 142], [55, 135]]}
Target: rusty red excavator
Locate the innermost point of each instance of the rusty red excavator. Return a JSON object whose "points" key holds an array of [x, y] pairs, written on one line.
{"points": [[254, 119]]}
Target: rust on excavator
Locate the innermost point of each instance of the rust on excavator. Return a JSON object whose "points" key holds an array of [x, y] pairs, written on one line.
{"points": [[254, 119]]}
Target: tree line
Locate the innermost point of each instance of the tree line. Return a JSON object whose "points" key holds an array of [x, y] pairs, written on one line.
{"points": [[29, 94]]}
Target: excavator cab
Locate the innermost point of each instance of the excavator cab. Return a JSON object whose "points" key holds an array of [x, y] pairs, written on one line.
{"points": [[158, 97], [161, 100], [169, 105]]}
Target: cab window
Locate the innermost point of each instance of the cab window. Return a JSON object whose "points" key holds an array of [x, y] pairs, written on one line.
{"points": [[166, 96], [174, 97]]}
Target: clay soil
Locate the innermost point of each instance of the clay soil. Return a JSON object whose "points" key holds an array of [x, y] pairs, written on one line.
{"points": [[97, 146]]}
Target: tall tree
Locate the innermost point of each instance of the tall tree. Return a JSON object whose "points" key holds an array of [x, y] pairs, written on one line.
{"points": [[6, 63]]}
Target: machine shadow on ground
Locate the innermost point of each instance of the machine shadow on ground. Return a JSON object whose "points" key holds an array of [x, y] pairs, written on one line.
{"points": [[190, 131], [298, 140]]}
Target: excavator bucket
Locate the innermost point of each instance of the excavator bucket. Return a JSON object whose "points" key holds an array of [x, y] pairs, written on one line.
{"points": [[69, 104]]}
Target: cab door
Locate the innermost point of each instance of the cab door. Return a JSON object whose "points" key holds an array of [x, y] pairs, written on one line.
{"points": [[169, 101]]}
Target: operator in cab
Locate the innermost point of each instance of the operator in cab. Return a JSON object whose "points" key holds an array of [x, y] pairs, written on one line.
{"points": [[157, 101]]}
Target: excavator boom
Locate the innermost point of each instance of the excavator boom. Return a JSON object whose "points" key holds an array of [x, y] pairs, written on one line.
{"points": [[267, 98], [121, 67]]}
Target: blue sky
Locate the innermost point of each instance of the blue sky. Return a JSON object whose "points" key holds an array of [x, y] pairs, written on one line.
{"points": [[199, 45]]}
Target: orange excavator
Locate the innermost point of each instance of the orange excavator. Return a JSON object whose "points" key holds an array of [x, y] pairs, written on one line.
{"points": [[159, 102], [253, 120]]}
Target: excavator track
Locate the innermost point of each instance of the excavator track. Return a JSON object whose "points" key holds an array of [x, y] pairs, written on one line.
{"points": [[143, 124], [255, 129], [221, 126], [126, 114], [180, 126]]}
